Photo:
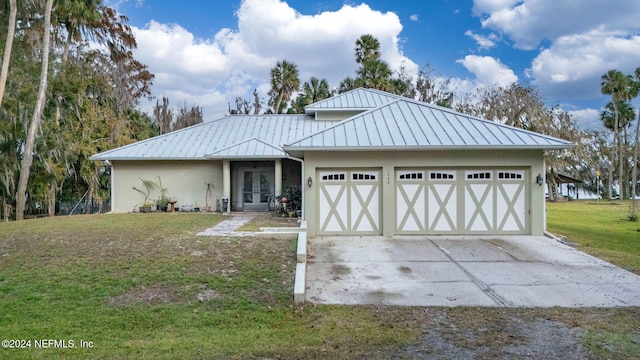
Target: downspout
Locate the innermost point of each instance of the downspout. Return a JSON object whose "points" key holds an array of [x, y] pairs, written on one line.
{"points": [[302, 187], [111, 186]]}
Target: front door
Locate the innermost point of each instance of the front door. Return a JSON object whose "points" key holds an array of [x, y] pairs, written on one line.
{"points": [[257, 189]]}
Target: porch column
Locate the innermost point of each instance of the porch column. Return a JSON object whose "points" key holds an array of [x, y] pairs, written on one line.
{"points": [[226, 182], [278, 177]]}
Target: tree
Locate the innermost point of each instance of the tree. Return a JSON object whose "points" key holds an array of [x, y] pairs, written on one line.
{"points": [[163, 115], [347, 84], [313, 91], [634, 177], [374, 74], [621, 88], [187, 117], [284, 81], [77, 17], [433, 89], [11, 28], [367, 48], [522, 106], [27, 158]]}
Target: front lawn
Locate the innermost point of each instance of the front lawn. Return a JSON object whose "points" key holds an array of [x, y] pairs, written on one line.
{"points": [[600, 228], [143, 286]]}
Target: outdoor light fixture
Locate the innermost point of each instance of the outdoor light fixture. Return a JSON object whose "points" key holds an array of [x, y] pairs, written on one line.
{"points": [[539, 179], [309, 181]]}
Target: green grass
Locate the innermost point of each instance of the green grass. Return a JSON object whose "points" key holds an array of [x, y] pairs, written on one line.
{"points": [[602, 229], [130, 284], [143, 286]]}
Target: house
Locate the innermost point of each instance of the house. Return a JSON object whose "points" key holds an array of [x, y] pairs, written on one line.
{"points": [[369, 162]]}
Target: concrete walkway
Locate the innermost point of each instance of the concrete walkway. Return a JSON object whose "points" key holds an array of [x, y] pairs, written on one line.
{"points": [[228, 226], [513, 271]]}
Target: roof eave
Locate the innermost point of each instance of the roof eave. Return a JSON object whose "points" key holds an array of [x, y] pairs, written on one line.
{"points": [[146, 159], [428, 148]]}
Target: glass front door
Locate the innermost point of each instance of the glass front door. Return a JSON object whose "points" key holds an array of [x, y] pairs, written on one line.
{"points": [[257, 189]]}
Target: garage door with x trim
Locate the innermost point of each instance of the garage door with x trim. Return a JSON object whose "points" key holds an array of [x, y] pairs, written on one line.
{"points": [[349, 202], [459, 201]]}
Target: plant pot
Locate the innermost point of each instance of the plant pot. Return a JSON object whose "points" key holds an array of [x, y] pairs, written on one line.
{"points": [[145, 209], [162, 208], [186, 208], [298, 213], [196, 209], [292, 214]]}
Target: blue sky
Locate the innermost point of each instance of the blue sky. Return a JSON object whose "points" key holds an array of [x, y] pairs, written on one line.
{"points": [[208, 52]]}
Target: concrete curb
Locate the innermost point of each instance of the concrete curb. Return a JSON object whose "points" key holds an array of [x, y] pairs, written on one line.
{"points": [[299, 294]]}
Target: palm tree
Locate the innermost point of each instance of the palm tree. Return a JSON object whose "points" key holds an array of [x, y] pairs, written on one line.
{"points": [[313, 91], [27, 157], [625, 115], [374, 74], [13, 11], [367, 48], [284, 81], [77, 16], [620, 87], [347, 84], [634, 177], [316, 89]]}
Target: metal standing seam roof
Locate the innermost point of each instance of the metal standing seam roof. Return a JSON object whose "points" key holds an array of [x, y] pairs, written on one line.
{"points": [[356, 99], [253, 148], [407, 124], [393, 122], [229, 135]]}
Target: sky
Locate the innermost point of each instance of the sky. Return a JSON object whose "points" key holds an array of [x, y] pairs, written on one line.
{"points": [[206, 53]]}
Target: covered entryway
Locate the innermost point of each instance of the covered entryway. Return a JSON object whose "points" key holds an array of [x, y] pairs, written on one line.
{"points": [[349, 201], [462, 201]]}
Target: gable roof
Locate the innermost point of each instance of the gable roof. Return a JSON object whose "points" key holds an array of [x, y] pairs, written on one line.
{"points": [[356, 99], [406, 124]]}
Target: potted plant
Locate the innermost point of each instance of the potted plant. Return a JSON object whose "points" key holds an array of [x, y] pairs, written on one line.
{"points": [[148, 187], [207, 194], [163, 201], [293, 193]]}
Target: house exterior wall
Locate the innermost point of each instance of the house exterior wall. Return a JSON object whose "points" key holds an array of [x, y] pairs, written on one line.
{"points": [[184, 180], [336, 114], [388, 161]]}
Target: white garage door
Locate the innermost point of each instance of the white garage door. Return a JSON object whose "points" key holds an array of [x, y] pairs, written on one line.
{"points": [[458, 201], [349, 202]]}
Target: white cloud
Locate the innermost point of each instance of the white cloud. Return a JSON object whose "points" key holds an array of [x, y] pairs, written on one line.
{"points": [[233, 63], [571, 68], [489, 6], [414, 17], [586, 118], [488, 72], [484, 42], [529, 22]]}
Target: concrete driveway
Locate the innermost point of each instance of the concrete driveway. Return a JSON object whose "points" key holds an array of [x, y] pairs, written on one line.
{"points": [[521, 271]]}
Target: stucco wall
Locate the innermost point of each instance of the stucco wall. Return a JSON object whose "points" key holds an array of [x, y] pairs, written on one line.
{"points": [[184, 180], [387, 162]]}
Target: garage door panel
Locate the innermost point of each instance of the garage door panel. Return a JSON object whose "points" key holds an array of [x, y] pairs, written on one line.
{"points": [[479, 207], [331, 206], [411, 208], [349, 202], [364, 208], [510, 207], [442, 208]]}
